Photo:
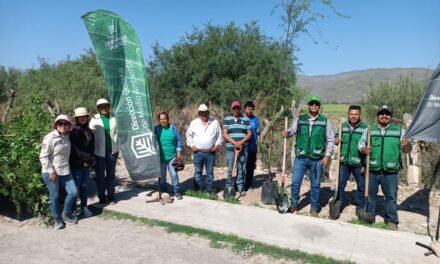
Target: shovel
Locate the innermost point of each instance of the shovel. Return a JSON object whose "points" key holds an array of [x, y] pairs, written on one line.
{"points": [[365, 216], [229, 191], [282, 199], [335, 203]]}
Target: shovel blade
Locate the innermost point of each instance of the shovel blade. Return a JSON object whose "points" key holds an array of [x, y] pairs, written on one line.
{"points": [[229, 192], [366, 217], [335, 209], [282, 204]]}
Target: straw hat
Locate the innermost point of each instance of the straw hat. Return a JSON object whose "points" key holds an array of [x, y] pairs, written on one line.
{"points": [[102, 101], [80, 111]]}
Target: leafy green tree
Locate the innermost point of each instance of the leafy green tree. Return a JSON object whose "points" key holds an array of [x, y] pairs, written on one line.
{"points": [[403, 95], [217, 65]]}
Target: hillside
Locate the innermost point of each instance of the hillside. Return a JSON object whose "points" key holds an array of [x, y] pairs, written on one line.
{"points": [[351, 87]]}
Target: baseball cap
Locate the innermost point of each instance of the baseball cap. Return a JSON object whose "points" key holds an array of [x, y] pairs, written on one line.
{"points": [[203, 108], [314, 98], [384, 108], [235, 104]]}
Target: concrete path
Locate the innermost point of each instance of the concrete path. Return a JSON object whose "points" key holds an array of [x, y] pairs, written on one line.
{"points": [[335, 239]]}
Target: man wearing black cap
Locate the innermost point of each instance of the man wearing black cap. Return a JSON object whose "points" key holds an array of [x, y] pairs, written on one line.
{"points": [[314, 146], [387, 142]]}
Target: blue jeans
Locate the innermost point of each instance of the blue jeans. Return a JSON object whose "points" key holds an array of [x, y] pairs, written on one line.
{"points": [[344, 173], [299, 168], [66, 182], [241, 168], [105, 175], [173, 174], [206, 159], [81, 177], [389, 184]]}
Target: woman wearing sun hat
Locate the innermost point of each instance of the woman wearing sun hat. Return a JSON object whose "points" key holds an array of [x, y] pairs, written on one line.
{"points": [[54, 158], [81, 155], [103, 125]]}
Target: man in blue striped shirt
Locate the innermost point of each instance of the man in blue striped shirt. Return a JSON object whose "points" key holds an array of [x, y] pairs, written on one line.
{"points": [[237, 131]]}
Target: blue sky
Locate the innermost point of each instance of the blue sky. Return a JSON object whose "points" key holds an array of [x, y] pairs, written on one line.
{"points": [[378, 34]]}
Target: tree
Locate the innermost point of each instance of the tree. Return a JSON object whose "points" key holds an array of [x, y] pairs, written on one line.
{"points": [[218, 65]]}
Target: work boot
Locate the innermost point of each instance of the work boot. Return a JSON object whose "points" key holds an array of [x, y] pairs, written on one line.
{"points": [[86, 212], [103, 200], [392, 226], [314, 213]]}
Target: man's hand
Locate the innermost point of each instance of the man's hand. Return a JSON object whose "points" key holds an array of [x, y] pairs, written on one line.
{"points": [[337, 141], [213, 149], [325, 161], [179, 155], [238, 144], [366, 150], [285, 134], [53, 177], [194, 149]]}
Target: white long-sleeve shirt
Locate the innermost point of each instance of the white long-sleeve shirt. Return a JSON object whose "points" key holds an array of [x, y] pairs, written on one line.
{"points": [[204, 137], [55, 153], [97, 126]]}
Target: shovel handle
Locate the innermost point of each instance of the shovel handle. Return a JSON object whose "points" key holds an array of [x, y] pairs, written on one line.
{"points": [[367, 168], [237, 152], [339, 155], [283, 176]]}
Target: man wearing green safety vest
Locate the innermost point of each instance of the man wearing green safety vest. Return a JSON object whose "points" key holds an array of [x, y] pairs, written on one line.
{"points": [[351, 159], [387, 142], [314, 146]]}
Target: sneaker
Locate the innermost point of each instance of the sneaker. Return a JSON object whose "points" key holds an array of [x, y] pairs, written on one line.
{"points": [[58, 224], [243, 193], [86, 212], [69, 219], [392, 226], [74, 215], [178, 196], [313, 213]]}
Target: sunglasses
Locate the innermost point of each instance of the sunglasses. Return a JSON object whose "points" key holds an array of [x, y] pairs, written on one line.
{"points": [[384, 113], [63, 124], [314, 104]]}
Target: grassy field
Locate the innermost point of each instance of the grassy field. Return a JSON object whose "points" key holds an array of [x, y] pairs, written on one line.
{"points": [[334, 111]]}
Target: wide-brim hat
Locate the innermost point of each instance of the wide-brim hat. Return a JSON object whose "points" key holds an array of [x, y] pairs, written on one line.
{"points": [[80, 111], [203, 108], [61, 117]]}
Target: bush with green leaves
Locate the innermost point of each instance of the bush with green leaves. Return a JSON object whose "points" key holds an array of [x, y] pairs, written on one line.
{"points": [[20, 170]]}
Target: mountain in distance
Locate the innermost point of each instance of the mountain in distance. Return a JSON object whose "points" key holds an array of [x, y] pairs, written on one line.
{"points": [[351, 87]]}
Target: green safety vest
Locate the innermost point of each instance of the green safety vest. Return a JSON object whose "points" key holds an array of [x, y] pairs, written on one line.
{"points": [[385, 150], [350, 153], [311, 145]]}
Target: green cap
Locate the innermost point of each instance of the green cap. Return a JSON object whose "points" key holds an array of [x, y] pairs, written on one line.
{"points": [[313, 98]]}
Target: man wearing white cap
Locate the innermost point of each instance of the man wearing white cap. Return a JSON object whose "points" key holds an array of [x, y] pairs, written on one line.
{"points": [[106, 151], [204, 137]]}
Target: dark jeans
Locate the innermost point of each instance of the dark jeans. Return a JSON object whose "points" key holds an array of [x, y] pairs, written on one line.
{"points": [[250, 167], [389, 184], [344, 174], [315, 171], [105, 175], [81, 177], [206, 159]]}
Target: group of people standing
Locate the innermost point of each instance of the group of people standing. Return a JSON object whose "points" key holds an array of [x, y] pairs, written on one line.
{"points": [[75, 145], [315, 141], [205, 136], [67, 154]]}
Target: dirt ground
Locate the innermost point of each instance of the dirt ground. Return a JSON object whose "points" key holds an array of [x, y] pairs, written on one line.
{"points": [[418, 209], [98, 240]]}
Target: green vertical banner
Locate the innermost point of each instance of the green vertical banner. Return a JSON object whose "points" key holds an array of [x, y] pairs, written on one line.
{"points": [[120, 57]]}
